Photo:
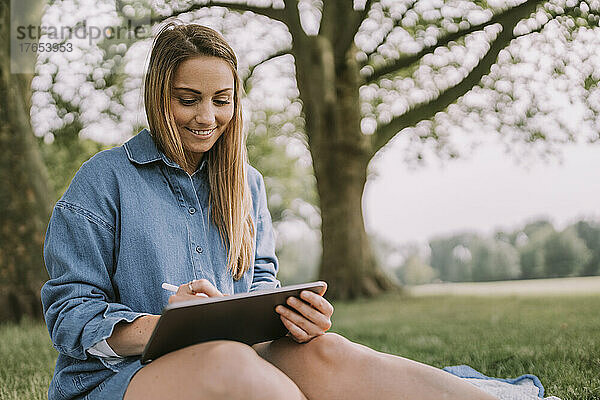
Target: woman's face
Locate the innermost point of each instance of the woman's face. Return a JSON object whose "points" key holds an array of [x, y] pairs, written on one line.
{"points": [[202, 102]]}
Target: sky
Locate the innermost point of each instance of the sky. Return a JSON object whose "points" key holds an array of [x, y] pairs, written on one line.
{"points": [[482, 193]]}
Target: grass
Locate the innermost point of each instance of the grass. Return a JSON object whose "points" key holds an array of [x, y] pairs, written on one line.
{"points": [[26, 361], [555, 338]]}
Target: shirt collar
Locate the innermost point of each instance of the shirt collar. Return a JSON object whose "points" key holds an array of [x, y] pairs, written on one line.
{"points": [[141, 149]]}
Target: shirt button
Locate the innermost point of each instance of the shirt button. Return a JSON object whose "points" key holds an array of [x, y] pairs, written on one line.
{"points": [[192, 210], [199, 249]]}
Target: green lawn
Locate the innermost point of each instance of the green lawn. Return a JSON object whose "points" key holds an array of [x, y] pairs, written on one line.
{"points": [[26, 361], [556, 338]]}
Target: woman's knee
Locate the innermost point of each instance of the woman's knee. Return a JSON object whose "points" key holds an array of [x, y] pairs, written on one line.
{"points": [[243, 374], [212, 357], [219, 369], [224, 364], [332, 348], [225, 352]]}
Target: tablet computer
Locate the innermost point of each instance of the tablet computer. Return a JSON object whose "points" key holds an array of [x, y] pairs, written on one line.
{"points": [[245, 317]]}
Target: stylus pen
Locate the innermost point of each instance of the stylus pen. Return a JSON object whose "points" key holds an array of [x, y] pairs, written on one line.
{"points": [[173, 288]]}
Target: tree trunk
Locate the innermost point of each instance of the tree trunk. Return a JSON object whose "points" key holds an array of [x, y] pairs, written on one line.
{"points": [[25, 199], [340, 155]]}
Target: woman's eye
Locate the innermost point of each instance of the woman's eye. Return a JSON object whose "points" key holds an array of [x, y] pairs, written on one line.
{"points": [[220, 102], [187, 102]]}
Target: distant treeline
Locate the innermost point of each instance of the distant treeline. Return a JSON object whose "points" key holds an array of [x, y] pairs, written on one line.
{"points": [[537, 250]]}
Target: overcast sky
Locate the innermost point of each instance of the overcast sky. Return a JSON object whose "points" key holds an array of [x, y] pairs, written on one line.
{"points": [[482, 193]]}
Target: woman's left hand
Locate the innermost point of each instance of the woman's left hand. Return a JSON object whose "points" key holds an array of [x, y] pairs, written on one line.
{"points": [[307, 318]]}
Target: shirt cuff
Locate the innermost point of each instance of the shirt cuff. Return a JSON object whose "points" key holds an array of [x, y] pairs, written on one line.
{"points": [[103, 350]]}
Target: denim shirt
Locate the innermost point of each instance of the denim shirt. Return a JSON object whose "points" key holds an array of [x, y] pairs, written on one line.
{"points": [[130, 220]]}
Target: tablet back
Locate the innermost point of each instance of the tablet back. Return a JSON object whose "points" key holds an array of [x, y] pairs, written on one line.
{"points": [[248, 317]]}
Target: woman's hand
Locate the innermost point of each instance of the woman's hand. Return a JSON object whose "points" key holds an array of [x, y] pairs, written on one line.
{"points": [[193, 289], [309, 316]]}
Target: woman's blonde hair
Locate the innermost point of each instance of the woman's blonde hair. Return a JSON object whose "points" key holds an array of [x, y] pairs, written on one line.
{"points": [[230, 200]]}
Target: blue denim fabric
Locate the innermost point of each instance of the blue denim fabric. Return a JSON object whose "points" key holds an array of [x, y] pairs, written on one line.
{"points": [[130, 220]]}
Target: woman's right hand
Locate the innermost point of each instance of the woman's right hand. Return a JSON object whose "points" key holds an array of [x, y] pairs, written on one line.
{"points": [[193, 289]]}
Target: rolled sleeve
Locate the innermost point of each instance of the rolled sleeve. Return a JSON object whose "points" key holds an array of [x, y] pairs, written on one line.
{"points": [[265, 261], [79, 300]]}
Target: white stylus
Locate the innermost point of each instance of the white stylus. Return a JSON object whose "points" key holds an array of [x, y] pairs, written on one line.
{"points": [[173, 288]]}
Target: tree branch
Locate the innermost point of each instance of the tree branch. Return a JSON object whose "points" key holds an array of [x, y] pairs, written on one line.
{"points": [[251, 69], [384, 133], [539, 29], [361, 15], [567, 11], [397, 23], [278, 15], [349, 30], [510, 14], [293, 19]]}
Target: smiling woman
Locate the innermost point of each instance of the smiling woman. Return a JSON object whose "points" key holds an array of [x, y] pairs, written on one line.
{"points": [[192, 99], [178, 203], [201, 102]]}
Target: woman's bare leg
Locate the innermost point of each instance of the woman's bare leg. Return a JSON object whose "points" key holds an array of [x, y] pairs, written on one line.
{"points": [[330, 367], [212, 370]]}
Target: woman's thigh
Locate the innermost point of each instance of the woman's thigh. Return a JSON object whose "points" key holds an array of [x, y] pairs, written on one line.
{"points": [[330, 367], [212, 370]]}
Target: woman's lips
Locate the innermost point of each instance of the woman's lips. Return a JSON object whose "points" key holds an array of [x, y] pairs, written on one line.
{"points": [[201, 132]]}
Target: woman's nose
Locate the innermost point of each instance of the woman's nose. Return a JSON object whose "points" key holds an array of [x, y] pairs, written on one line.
{"points": [[205, 114]]}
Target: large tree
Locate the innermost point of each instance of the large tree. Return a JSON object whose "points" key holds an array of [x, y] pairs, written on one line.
{"points": [[366, 71], [24, 198], [331, 69]]}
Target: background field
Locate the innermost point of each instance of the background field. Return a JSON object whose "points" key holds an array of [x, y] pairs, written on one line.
{"points": [[528, 287], [553, 337]]}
